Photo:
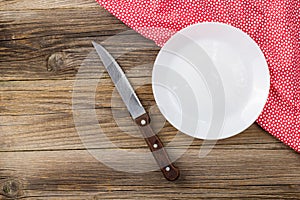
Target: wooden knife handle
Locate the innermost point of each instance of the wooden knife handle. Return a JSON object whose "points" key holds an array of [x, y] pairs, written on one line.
{"points": [[160, 154]]}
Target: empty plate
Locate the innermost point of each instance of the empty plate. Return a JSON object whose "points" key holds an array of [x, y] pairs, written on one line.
{"points": [[210, 81]]}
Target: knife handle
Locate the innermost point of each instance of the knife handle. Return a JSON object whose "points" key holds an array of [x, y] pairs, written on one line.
{"points": [[170, 172]]}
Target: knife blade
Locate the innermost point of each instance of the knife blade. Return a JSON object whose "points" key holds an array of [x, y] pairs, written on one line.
{"points": [[137, 112]]}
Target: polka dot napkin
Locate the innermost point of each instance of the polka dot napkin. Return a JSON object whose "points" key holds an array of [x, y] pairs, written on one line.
{"points": [[273, 24]]}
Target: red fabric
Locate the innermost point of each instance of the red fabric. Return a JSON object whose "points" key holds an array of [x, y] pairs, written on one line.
{"points": [[273, 24]]}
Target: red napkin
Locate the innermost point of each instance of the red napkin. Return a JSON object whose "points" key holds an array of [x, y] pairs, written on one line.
{"points": [[273, 24]]}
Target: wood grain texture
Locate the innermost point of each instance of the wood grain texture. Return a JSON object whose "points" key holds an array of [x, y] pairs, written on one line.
{"points": [[44, 45]]}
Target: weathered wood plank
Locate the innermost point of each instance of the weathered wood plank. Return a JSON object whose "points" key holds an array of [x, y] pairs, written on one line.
{"points": [[56, 130], [11, 5], [232, 174]]}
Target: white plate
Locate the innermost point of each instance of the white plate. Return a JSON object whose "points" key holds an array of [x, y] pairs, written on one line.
{"points": [[211, 81]]}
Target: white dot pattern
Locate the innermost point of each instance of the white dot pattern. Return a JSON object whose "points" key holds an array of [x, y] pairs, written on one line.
{"points": [[274, 25]]}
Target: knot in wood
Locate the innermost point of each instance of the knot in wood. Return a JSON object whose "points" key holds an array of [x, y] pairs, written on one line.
{"points": [[11, 188], [56, 62]]}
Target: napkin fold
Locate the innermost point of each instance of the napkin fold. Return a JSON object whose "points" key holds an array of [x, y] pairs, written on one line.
{"points": [[274, 25]]}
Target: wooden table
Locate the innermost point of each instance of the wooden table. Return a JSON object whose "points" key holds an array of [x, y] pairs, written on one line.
{"points": [[43, 46]]}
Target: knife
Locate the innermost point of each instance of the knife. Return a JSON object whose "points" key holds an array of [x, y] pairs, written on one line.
{"points": [[138, 113]]}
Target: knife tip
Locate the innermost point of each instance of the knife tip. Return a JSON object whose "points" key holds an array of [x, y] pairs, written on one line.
{"points": [[99, 48], [94, 43]]}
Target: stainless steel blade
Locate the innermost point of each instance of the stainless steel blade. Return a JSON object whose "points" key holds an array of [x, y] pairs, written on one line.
{"points": [[121, 82]]}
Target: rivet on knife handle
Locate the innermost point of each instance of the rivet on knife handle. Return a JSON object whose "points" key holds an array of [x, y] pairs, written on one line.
{"points": [[169, 171]]}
